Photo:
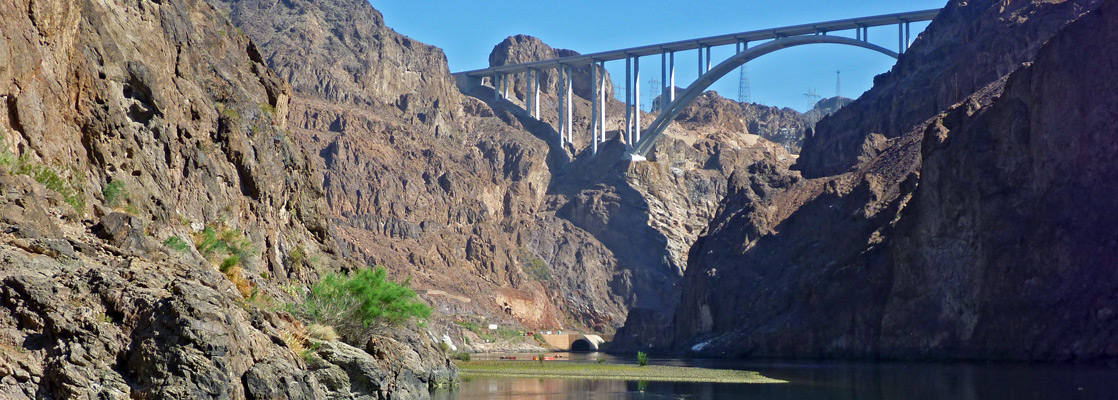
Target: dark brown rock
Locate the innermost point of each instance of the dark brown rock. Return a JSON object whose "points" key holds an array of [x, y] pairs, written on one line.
{"points": [[969, 45], [977, 235]]}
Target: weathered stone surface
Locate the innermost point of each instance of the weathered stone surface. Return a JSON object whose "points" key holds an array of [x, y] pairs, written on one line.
{"points": [[523, 48], [976, 235], [969, 45], [172, 101]]}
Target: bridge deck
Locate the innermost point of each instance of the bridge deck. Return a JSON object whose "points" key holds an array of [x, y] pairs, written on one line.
{"points": [[720, 40]]}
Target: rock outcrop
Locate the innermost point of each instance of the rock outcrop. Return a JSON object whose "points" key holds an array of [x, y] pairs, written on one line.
{"points": [[975, 235], [967, 46], [132, 129]]}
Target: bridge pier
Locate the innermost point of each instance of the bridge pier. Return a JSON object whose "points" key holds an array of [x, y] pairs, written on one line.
{"points": [[562, 91], [602, 101], [637, 98], [628, 101], [671, 66], [594, 106], [570, 106], [900, 38]]}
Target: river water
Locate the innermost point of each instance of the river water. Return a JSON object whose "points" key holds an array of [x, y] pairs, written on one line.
{"points": [[816, 380]]}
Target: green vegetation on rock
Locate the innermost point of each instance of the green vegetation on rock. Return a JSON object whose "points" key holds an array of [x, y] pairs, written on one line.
{"points": [[352, 303]]}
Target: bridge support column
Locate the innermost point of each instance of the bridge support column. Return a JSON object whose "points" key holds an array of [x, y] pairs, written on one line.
{"points": [[536, 90], [637, 99], [528, 93], [570, 107], [907, 35], [628, 101], [700, 50], [602, 102], [900, 38], [671, 89], [562, 105], [496, 87], [594, 106], [505, 86], [706, 67], [664, 79]]}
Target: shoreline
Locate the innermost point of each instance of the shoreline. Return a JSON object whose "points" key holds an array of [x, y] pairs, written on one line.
{"points": [[627, 372]]}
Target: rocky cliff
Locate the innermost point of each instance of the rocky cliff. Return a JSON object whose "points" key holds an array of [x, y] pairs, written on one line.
{"points": [[468, 196], [133, 130], [975, 235], [967, 46]]}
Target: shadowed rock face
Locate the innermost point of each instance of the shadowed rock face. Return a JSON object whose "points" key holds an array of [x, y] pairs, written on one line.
{"points": [[967, 46], [976, 235]]}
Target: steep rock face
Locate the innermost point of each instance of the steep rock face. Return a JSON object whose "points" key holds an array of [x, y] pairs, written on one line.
{"points": [[1007, 248], [128, 124], [440, 187], [975, 235], [523, 48], [710, 111], [969, 45]]}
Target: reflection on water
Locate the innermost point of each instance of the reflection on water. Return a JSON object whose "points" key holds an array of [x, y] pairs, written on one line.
{"points": [[831, 381]]}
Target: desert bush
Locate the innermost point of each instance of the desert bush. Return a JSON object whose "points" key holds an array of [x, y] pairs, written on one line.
{"points": [[356, 302], [176, 243], [114, 192], [461, 356], [642, 358]]}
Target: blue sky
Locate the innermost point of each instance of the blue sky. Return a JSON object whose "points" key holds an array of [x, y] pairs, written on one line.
{"points": [[468, 29]]}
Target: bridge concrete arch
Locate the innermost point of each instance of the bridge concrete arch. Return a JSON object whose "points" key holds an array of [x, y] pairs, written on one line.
{"points": [[670, 111]]}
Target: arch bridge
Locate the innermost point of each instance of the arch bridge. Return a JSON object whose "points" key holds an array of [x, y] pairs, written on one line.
{"points": [[641, 142]]}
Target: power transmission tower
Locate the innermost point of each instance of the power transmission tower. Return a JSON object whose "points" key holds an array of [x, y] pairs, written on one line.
{"points": [[812, 114], [653, 91], [838, 83], [744, 95]]}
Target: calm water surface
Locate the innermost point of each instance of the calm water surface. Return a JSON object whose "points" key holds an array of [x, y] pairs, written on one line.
{"points": [[815, 380]]}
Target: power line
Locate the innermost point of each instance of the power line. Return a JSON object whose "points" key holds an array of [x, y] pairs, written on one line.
{"points": [[653, 91], [838, 83]]}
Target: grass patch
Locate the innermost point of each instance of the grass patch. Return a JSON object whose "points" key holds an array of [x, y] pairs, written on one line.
{"points": [[534, 266], [268, 109], [114, 192], [295, 258], [176, 243], [232, 248], [572, 370], [461, 356], [56, 179], [353, 303], [501, 333]]}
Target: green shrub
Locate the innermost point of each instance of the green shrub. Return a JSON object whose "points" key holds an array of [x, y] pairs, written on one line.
{"points": [[212, 243], [444, 347], [461, 356], [268, 109], [229, 262], [69, 188], [176, 243], [534, 266], [642, 358], [295, 257], [353, 303], [114, 192]]}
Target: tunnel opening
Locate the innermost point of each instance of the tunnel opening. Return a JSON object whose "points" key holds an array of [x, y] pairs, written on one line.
{"points": [[582, 345]]}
